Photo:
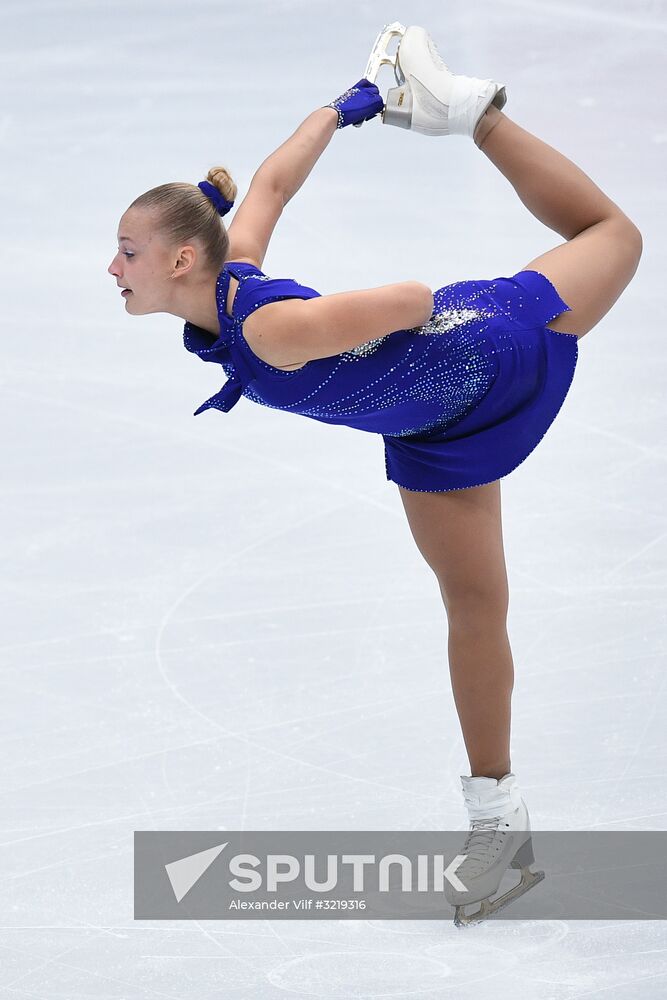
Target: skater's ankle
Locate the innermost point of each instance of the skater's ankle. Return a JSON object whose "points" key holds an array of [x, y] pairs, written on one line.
{"points": [[486, 124], [490, 772]]}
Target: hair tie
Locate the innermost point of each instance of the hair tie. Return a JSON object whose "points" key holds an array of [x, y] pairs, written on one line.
{"points": [[216, 196]]}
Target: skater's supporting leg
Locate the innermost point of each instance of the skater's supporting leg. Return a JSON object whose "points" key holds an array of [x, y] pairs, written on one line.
{"points": [[482, 675], [459, 535], [604, 247]]}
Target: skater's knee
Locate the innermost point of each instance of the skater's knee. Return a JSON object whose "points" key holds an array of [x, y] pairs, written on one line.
{"points": [[476, 605]]}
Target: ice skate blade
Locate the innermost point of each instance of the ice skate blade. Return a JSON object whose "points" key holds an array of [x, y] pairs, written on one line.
{"points": [[488, 907], [379, 56]]}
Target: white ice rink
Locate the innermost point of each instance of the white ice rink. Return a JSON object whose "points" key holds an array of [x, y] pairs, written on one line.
{"points": [[223, 622]]}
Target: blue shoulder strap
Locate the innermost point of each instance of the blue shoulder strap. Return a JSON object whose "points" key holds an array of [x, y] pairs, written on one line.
{"points": [[243, 376], [247, 299], [250, 295], [241, 271]]}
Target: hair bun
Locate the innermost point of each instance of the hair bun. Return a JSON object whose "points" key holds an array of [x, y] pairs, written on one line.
{"points": [[221, 179]]}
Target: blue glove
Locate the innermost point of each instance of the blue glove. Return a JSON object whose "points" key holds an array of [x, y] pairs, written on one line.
{"points": [[358, 104]]}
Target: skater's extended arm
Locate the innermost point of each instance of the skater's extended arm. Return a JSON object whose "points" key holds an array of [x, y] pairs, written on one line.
{"points": [[291, 163], [275, 181], [281, 175]]}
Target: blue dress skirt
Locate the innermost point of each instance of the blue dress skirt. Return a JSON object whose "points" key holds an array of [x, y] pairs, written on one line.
{"points": [[535, 369]]}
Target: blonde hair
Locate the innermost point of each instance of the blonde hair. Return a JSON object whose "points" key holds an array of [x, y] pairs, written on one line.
{"points": [[184, 214]]}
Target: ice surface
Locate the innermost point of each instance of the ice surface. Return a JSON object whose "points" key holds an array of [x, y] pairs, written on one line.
{"points": [[223, 622]]}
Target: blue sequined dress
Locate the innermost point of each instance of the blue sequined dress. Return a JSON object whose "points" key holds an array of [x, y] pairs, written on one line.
{"points": [[459, 402]]}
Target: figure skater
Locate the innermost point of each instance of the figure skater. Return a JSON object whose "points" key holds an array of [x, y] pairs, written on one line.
{"points": [[462, 383]]}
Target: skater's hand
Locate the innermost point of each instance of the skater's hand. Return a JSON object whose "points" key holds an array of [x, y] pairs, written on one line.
{"points": [[358, 104]]}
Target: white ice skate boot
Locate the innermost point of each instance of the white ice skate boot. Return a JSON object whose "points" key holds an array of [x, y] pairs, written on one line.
{"points": [[499, 838], [429, 98]]}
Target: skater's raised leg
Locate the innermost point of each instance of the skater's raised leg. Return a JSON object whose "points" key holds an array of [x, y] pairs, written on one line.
{"points": [[603, 245]]}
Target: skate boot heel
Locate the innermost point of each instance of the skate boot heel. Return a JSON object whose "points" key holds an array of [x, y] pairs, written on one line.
{"points": [[398, 107], [500, 100], [524, 856]]}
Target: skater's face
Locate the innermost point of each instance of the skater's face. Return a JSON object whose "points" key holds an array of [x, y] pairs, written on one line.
{"points": [[146, 265]]}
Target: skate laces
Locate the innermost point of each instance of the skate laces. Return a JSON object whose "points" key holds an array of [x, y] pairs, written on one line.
{"points": [[435, 55], [479, 846]]}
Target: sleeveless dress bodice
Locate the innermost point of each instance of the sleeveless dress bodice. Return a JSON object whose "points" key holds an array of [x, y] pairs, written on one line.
{"points": [[459, 401], [406, 382]]}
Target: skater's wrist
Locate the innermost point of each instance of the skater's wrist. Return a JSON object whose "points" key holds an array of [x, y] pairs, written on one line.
{"points": [[428, 303], [332, 113]]}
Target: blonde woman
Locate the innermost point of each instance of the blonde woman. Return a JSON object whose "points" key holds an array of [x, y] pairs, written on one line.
{"points": [[461, 382]]}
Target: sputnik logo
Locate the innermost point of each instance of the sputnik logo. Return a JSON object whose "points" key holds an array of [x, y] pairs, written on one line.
{"points": [[186, 871]]}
